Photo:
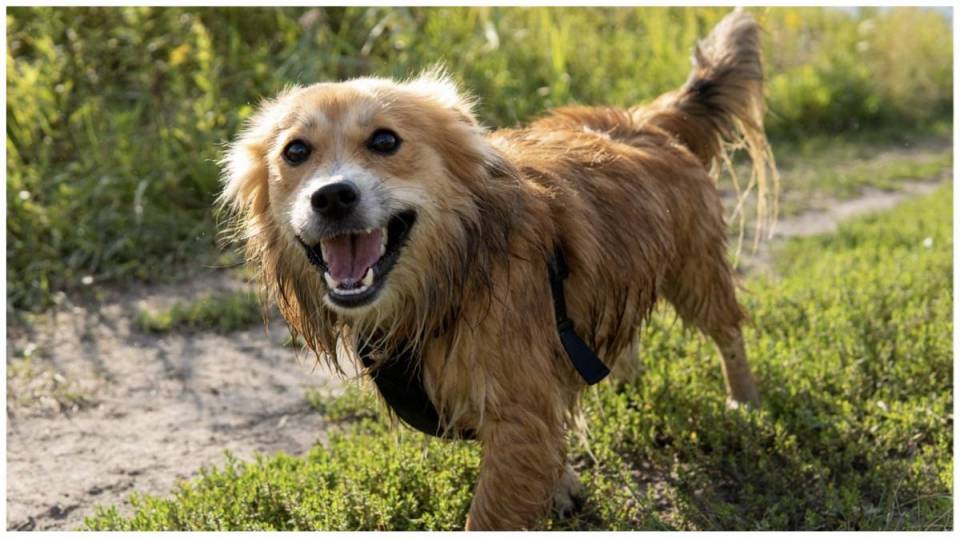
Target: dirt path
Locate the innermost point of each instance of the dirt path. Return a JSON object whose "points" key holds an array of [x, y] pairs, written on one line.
{"points": [[825, 221], [153, 409], [129, 412]]}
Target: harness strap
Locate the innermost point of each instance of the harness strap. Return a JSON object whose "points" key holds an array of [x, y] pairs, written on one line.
{"points": [[404, 393], [400, 381], [590, 367]]}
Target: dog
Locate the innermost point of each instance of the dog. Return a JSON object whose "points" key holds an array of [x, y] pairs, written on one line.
{"points": [[389, 226]]}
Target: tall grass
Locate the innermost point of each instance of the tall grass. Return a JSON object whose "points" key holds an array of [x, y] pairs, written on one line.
{"points": [[116, 116]]}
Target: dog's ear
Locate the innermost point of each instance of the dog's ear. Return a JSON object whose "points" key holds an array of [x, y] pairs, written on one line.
{"points": [[245, 166], [470, 141], [437, 84]]}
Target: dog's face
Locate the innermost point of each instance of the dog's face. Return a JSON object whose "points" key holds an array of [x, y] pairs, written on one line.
{"points": [[365, 178]]}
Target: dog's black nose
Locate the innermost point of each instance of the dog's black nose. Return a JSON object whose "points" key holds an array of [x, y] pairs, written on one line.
{"points": [[335, 201]]}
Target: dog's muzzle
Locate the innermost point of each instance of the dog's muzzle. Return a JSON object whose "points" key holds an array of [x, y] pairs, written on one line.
{"points": [[356, 263]]}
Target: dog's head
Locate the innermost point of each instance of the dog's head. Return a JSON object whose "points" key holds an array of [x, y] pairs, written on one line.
{"points": [[360, 190]]}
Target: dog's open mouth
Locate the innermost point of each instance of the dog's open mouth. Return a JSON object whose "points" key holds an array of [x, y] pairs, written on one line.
{"points": [[355, 264]]}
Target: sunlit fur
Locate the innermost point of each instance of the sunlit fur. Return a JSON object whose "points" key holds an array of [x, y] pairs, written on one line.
{"points": [[629, 195]]}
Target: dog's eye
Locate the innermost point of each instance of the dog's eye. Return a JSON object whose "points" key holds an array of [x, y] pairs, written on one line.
{"points": [[296, 152], [383, 141]]}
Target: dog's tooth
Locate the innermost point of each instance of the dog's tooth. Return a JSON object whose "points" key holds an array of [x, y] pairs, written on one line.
{"points": [[331, 282], [368, 277], [352, 291]]}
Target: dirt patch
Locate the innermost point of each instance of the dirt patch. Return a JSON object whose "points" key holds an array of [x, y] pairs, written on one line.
{"points": [[825, 221], [148, 411]]}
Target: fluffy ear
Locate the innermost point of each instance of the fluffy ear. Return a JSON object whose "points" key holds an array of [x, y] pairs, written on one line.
{"points": [[245, 168], [437, 84], [470, 143], [245, 176]]}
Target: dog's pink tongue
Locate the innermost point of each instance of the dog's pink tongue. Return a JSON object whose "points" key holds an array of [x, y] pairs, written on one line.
{"points": [[349, 255]]}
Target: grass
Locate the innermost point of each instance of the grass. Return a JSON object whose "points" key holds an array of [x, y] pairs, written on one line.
{"points": [[221, 312], [116, 116], [852, 348]]}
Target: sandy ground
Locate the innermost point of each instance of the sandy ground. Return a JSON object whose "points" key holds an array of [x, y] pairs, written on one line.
{"points": [[153, 410]]}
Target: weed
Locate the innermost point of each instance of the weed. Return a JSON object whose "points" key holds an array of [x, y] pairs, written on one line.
{"points": [[34, 388]]}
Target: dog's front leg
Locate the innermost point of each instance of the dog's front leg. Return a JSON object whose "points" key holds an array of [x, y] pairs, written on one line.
{"points": [[523, 459]]}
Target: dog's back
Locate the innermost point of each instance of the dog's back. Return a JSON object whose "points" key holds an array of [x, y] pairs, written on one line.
{"points": [[632, 192]]}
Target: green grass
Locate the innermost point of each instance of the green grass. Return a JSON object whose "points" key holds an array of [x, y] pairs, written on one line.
{"points": [[221, 312], [116, 116], [852, 348]]}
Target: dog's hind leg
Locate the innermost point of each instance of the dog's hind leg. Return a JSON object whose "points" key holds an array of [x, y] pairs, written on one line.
{"points": [[741, 388], [703, 293], [627, 367], [568, 495]]}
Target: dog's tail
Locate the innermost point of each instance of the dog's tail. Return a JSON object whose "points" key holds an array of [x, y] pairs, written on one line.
{"points": [[722, 104]]}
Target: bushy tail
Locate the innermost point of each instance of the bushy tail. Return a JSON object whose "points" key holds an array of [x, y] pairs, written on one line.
{"points": [[721, 107]]}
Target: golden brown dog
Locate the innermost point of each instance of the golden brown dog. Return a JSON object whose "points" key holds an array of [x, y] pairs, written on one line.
{"points": [[383, 210]]}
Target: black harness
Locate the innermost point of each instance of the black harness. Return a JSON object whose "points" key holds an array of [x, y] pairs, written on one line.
{"points": [[400, 381]]}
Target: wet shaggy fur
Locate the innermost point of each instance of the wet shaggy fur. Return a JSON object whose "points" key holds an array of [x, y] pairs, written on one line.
{"points": [[629, 195]]}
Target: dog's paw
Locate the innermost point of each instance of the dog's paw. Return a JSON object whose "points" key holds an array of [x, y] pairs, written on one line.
{"points": [[733, 404], [568, 498]]}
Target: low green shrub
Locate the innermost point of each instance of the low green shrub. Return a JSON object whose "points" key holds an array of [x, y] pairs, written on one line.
{"points": [[220, 312]]}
